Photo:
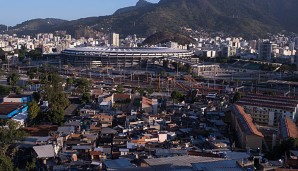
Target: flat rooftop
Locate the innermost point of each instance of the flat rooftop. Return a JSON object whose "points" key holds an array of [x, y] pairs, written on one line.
{"points": [[17, 95], [6, 108]]}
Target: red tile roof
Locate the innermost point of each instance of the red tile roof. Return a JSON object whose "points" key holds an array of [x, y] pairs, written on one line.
{"points": [[288, 128], [40, 130], [247, 120], [121, 96], [146, 101]]}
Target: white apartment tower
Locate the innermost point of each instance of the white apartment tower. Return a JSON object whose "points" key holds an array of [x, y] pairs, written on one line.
{"points": [[114, 39]]}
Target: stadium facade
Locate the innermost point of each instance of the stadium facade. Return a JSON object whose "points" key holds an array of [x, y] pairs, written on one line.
{"points": [[118, 57]]}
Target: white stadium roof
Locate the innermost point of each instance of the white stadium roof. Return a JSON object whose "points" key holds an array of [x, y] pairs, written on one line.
{"points": [[127, 50]]}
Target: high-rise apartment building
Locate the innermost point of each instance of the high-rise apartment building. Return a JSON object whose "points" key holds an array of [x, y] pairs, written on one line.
{"points": [[114, 39], [265, 51], [296, 43], [228, 51]]}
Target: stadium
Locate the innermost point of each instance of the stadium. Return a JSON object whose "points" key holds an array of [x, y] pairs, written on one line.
{"points": [[118, 57]]}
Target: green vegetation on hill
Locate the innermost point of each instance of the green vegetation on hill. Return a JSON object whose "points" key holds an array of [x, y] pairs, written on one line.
{"points": [[163, 37], [248, 18]]}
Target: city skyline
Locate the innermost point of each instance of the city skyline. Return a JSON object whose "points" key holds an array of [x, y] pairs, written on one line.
{"points": [[27, 10]]}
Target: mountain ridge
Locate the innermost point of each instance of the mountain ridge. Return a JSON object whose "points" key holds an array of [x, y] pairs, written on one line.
{"points": [[247, 18]]}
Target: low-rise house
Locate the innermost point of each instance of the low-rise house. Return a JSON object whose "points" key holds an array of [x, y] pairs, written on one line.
{"points": [[10, 109], [120, 98], [105, 106], [74, 123], [107, 135], [44, 152], [66, 130], [105, 119], [87, 112], [121, 163], [149, 105], [14, 98]]}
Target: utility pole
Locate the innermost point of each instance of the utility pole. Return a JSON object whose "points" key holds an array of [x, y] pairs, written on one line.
{"points": [[159, 83], [138, 81]]}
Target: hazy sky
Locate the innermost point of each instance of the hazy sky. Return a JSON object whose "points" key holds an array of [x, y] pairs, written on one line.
{"points": [[13, 12]]}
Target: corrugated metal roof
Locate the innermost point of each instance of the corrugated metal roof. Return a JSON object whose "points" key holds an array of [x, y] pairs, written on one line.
{"points": [[225, 165], [178, 162], [118, 163], [44, 151]]}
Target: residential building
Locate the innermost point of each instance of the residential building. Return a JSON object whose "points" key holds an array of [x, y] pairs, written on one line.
{"points": [[105, 105], [228, 51], [265, 51], [296, 43], [114, 39], [14, 98], [173, 45], [287, 129], [267, 110], [149, 105], [248, 136], [9, 110]]}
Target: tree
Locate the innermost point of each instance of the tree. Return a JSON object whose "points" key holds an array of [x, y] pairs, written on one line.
{"points": [[86, 98], [5, 163], [10, 135], [36, 96], [33, 110], [187, 68], [53, 92], [31, 74], [175, 65], [21, 52], [177, 96], [150, 90], [163, 73], [165, 63], [142, 92], [119, 88], [56, 116], [18, 90], [133, 91], [69, 81], [31, 166], [83, 84], [283, 148], [4, 90], [237, 97], [13, 79]]}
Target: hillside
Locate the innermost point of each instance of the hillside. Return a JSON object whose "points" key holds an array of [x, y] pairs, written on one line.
{"points": [[140, 4], [37, 25], [248, 18], [164, 37]]}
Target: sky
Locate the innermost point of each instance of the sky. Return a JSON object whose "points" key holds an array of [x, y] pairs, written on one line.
{"points": [[14, 12]]}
